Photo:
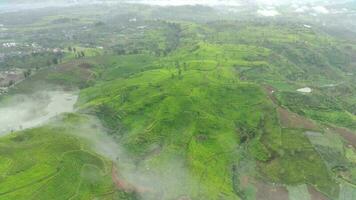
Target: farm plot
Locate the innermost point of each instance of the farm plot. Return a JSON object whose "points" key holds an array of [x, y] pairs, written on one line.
{"points": [[267, 191], [298, 192], [330, 147], [347, 192]]}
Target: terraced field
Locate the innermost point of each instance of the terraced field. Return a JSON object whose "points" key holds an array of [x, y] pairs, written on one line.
{"points": [[181, 108], [51, 163]]}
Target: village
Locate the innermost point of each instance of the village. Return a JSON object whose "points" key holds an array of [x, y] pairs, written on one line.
{"points": [[9, 78]]}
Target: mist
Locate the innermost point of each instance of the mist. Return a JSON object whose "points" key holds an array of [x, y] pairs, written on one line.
{"points": [[50, 107], [169, 179], [28, 111]]}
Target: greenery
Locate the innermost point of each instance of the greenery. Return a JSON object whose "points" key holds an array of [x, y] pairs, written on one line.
{"points": [[193, 97], [47, 163]]}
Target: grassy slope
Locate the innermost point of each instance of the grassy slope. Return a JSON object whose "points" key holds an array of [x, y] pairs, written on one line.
{"points": [[50, 163], [201, 103], [193, 111], [194, 99]]}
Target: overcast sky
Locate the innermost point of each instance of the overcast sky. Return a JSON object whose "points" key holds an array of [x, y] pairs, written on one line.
{"points": [[230, 2], [179, 2], [8, 5]]}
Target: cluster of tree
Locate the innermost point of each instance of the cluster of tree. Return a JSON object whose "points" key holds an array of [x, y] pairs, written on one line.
{"points": [[180, 69], [126, 50], [11, 82], [27, 73], [72, 49], [236, 182], [34, 60], [78, 54], [55, 60], [172, 39]]}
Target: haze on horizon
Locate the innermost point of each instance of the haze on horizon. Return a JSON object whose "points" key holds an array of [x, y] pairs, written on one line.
{"points": [[61, 3]]}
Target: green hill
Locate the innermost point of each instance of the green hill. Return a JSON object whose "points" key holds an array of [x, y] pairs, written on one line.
{"points": [[195, 110]]}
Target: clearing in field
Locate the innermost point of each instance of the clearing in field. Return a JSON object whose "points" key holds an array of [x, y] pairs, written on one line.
{"points": [[267, 191], [292, 120]]}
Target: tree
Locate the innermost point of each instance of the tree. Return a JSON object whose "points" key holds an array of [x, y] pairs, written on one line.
{"points": [[177, 64], [27, 73], [11, 82], [55, 61], [70, 48], [185, 67]]}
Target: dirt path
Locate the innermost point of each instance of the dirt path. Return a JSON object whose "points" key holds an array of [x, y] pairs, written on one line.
{"points": [[316, 195], [270, 92], [348, 135], [289, 119], [267, 191], [121, 184]]}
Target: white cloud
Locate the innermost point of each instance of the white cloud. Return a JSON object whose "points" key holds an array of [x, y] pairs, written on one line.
{"points": [[302, 9], [268, 12], [269, 2], [321, 10], [187, 2]]}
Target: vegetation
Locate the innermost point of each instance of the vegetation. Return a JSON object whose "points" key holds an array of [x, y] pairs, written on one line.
{"points": [[50, 163], [192, 100]]}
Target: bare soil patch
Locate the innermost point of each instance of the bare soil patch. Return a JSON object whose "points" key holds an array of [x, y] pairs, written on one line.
{"points": [[244, 181], [75, 66], [348, 135], [289, 119], [270, 92], [123, 185], [267, 191], [316, 195]]}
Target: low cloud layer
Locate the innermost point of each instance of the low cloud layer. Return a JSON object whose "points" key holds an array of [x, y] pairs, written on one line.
{"points": [[27, 111], [228, 2], [28, 4], [188, 2]]}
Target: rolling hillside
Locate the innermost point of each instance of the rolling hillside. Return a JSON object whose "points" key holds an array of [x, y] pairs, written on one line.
{"points": [[184, 109]]}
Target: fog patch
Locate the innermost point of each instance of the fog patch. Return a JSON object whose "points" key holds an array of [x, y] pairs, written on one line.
{"points": [[170, 179], [28, 111]]}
